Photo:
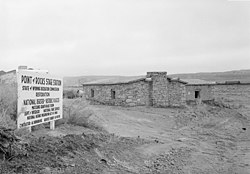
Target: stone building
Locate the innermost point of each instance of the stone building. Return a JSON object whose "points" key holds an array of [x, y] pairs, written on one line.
{"points": [[8, 77], [199, 90], [156, 89]]}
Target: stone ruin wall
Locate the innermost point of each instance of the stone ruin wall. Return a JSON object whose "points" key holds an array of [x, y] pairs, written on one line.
{"points": [[9, 78], [234, 95], [160, 96], [129, 94], [159, 92], [206, 92], [8, 86], [177, 94], [166, 92], [234, 92]]}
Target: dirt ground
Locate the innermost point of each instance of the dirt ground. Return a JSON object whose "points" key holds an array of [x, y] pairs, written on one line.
{"points": [[200, 139]]}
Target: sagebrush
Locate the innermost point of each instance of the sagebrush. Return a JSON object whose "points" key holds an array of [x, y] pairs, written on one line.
{"points": [[8, 106], [77, 112]]}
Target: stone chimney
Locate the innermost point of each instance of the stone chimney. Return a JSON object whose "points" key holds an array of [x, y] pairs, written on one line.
{"points": [[156, 74], [22, 67], [158, 92]]}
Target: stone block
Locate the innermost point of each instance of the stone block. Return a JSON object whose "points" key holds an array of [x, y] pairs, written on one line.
{"points": [[132, 104], [129, 100]]}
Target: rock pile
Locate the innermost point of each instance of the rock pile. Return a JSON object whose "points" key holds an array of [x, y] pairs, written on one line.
{"points": [[170, 162]]}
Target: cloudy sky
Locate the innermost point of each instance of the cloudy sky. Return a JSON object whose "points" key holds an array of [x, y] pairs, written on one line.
{"points": [[125, 37]]}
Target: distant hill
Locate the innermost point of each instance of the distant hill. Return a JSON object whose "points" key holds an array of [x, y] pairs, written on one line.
{"points": [[77, 81], [240, 75]]}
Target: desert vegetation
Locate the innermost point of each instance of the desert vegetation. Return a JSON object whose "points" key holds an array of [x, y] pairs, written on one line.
{"points": [[77, 112], [8, 106], [71, 94]]}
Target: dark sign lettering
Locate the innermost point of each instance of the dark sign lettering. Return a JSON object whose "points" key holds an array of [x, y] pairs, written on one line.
{"points": [[39, 98]]}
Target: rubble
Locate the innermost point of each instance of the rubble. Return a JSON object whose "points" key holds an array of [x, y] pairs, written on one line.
{"points": [[204, 139], [11, 145], [169, 162]]}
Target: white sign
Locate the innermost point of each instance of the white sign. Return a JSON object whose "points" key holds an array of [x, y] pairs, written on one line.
{"points": [[39, 98]]}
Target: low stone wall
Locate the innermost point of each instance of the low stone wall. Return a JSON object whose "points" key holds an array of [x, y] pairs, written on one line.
{"points": [[234, 95], [129, 94], [9, 78]]}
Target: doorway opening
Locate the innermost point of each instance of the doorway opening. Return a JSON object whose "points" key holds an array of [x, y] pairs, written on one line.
{"points": [[92, 93]]}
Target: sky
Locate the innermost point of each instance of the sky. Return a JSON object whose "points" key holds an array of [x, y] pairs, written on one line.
{"points": [[125, 37]]}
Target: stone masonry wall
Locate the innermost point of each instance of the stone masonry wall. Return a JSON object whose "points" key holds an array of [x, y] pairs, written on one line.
{"points": [[130, 94], [157, 90], [234, 95], [160, 82], [206, 92], [8, 78], [177, 94]]}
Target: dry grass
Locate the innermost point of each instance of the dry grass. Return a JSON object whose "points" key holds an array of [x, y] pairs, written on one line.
{"points": [[8, 106], [77, 112]]}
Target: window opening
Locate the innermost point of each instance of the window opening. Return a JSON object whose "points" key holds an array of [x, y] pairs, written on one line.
{"points": [[112, 94], [197, 94]]}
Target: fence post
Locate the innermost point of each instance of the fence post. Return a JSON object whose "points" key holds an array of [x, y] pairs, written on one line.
{"points": [[29, 128], [52, 125]]}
